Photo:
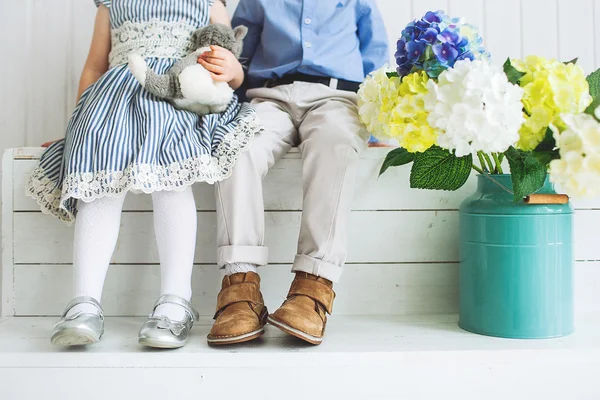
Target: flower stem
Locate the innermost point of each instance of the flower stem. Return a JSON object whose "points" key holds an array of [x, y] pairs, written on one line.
{"points": [[490, 163], [481, 160], [498, 163], [476, 168]]}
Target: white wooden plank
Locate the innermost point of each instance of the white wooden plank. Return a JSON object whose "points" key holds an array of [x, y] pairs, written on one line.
{"points": [[13, 110], [374, 237], [586, 235], [576, 21], [472, 10], [401, 289], [391, 289], [82, 14], [47, 86], [396, 15], [587, 282], [362, 357], [503, 29], [596, 15], [283, 190], [7, 270], [538, 19], [420, 7]]}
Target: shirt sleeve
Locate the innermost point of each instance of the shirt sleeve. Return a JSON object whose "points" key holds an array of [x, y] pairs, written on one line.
{"points": [[250, 14], [105, 2], [373, 37]]}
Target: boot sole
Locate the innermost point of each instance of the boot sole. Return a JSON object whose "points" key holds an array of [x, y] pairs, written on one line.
{"points": [[295, 332], [246, 337], [74, 337], [236, 339]]}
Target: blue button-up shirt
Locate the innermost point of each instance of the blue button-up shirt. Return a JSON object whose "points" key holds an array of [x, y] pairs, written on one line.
{"points": [[343, 39]]}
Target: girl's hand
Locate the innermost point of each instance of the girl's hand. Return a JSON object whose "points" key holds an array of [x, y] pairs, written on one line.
{"points": [[48, 144], [223, 66]]}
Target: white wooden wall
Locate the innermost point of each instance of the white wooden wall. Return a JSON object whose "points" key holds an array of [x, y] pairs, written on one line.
{"points": [[47, 41]]}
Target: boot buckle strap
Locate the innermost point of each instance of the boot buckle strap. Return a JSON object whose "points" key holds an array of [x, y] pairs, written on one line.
{"points": [[238, 293], [315, 290]]}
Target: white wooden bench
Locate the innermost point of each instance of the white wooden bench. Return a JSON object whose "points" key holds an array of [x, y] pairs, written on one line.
{"points": [[394, 315]]}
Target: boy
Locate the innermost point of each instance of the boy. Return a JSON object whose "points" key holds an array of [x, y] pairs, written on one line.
{"points": [[305, 60]]}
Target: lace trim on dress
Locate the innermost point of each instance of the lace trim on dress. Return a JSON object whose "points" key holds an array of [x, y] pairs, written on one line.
{"points": [[145, 178], [154, 38]]}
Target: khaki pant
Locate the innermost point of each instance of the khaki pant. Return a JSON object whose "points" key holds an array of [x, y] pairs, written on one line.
{"points": [[324, 124]]}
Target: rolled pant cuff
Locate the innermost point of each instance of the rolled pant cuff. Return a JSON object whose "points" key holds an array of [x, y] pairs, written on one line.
{"points": [[256, 255], [321, 268]]}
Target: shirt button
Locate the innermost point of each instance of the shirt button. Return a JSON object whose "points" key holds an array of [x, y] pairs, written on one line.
{"points": [[308, 21], [308, 45]]}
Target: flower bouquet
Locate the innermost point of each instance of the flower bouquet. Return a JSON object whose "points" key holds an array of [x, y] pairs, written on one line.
{"points": [[453, 112]]}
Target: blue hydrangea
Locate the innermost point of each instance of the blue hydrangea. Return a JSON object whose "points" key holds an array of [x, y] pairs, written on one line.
{"points": [[435, 43]]}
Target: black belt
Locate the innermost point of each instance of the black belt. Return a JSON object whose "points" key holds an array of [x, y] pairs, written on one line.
{"points": [[338, 84]]}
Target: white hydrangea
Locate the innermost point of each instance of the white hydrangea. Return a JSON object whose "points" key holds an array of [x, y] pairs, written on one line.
{"points": [[377, 98], [474, 107], [578, 169]]}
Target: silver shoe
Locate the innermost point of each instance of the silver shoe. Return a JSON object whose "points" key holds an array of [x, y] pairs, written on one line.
{"points": [[163, 333], [81, 328]]}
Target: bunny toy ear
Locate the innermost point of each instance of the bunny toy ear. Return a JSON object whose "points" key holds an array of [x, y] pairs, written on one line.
{"points": [[240, 32]]}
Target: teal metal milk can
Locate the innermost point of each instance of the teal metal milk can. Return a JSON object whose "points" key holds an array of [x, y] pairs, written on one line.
{"points": [[516, 264]]}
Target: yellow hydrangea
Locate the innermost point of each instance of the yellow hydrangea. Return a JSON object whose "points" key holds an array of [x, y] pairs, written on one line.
{"points": [[409, 123], [552, 88]]}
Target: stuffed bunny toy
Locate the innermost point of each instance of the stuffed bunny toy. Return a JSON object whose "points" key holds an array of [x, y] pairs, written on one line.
{"points": [[188, 85]]}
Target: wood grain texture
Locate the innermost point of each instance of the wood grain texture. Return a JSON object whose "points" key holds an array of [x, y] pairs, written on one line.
{"points": [[389, 289], [503, 30], [576, 13], [471, 10], [365, 289], [420, 7], [283, 189], [374, 237], [539, 24], [7, 269]]}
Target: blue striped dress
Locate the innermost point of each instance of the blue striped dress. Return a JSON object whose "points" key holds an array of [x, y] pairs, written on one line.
{"points": [[121, 138]]}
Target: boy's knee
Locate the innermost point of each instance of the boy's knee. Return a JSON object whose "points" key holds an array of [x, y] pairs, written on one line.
{"points": [[339, 150]]}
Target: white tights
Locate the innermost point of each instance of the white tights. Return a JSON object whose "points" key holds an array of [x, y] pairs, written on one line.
{"points": [[96, 233]]}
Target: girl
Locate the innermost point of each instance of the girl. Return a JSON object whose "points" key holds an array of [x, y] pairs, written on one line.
{"points": [[119, 139]]}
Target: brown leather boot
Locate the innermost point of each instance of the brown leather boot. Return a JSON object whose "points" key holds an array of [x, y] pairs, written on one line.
{"points": [[303, 314], [241, 313]]}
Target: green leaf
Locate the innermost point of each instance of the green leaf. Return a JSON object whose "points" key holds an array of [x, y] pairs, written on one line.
{"points": [[395, 158], [594, 82], [439, 169], [573, 61], [544, 157], [513, 74], [592, 107], [546, 151], [392, 74], [528, 174], [549, 143]]}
